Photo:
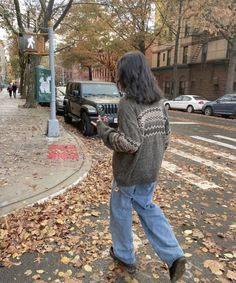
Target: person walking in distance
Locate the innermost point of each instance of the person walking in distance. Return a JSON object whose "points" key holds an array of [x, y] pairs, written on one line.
{"points": [[138, 148], [14, 89], [9, 89]]}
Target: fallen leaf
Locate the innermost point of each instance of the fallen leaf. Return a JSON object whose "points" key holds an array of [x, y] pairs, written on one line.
{"points": [[40, 271], [231, 275], [65, 260], [88, 268], [28, 272], [215, 266]]}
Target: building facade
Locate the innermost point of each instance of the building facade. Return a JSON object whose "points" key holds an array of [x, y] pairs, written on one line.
{"points": [[202, 65], [3, 65]]}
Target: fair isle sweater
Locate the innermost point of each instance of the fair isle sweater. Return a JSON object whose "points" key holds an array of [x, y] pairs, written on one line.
{"points": [[139, 142]]}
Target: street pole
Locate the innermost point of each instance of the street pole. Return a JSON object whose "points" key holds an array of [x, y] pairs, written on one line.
{"points": [[53, 124]]}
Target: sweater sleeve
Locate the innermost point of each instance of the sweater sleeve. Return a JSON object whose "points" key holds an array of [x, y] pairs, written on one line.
{"points": [[167, 129], [128, 137]]}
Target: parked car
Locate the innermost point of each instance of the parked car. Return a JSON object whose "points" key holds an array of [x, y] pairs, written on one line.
{"points": [[190, 103], [225, 106], [60, 95], [85, 100]]}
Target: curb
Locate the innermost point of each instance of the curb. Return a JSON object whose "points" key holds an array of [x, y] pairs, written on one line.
{"points": [[69, 183]]}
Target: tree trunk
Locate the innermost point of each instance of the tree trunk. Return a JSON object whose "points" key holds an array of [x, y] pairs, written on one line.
{"points": [[231, 67], [175, 66], [31, 95], [90, 73]]}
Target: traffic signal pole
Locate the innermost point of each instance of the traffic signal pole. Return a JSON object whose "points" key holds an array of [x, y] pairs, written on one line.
{"points": [[53, 124]]}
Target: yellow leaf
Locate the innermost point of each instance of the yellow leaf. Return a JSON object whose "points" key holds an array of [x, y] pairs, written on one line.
{"points": [[155, 275], [40, 271], [65, 260], [60, 221], [188, 255], [188, 232], [88, 268], [61, 274]]}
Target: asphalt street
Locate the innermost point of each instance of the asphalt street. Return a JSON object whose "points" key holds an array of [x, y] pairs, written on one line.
{"points": [[196, 190]]}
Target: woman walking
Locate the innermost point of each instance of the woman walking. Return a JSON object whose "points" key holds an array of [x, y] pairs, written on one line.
{"points": [[138, 148]]}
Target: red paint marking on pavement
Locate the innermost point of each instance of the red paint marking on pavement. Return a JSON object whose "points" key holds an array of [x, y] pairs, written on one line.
{"points": [[62, 152]]}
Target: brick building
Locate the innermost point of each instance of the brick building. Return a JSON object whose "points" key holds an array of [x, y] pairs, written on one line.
{"points": [[202, 65]]}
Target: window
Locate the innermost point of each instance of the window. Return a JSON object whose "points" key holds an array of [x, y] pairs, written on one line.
{"points": [[187, 30], [167, 87], [186, 98], [185, 55], [182, 87], [204, 53], [164, 57], [168, 57], [179, 98], [158, 59]]}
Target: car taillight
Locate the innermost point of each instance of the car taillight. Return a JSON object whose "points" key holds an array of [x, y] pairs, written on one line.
{"points": [[200, 102]]}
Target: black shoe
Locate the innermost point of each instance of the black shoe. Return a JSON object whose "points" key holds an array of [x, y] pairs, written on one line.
{"points": [[177, 269], [131, 268]]}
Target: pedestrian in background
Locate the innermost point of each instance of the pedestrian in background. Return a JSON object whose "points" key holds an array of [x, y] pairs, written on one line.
{"points": [[138, 148], [9, 89], [14, 89]]}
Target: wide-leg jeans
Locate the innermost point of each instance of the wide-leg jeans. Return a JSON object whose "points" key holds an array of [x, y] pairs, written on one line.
{"points": [[154, 223]]}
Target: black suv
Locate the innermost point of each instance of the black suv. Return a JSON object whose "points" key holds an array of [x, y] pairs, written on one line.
{"points": [[85, 100]]}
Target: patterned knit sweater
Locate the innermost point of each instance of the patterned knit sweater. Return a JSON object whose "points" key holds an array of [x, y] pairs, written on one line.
{"points": [[139, 143]]}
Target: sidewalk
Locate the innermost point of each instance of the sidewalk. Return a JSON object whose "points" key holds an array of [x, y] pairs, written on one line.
{"points": [[34, 167]]}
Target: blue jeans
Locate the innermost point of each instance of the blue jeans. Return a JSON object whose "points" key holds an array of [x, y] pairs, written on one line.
{"points": [[154, 222]]}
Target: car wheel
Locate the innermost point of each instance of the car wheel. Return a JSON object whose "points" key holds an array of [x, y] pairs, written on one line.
{"points": [[208, 111], [67, 118], [87, 128], [167, 106], [190, 109]]}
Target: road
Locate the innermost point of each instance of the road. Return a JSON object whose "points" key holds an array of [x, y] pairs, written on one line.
{"points": [[196, 190]]}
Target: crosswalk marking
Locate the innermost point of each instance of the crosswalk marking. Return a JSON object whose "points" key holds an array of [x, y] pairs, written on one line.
{"points": [[226, 138], [214, 142], [206, 149], [189, 177], [183, 123], [224, 169]]}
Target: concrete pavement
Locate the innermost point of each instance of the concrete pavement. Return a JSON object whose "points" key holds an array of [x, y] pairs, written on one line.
{"points": [[34, 167]]}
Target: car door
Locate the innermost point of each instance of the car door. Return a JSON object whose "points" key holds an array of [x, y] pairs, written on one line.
{"points": [[176, 103], [232, 106], [185, 102], [223, 105], [73, 99]]}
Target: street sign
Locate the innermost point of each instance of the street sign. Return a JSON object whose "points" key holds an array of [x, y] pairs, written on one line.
{"points": [[43, 84]]}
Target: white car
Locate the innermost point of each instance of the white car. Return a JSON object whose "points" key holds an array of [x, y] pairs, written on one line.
{"points": [[60, 95], [190, 103]]}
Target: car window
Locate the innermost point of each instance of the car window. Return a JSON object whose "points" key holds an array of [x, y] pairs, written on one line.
{"points": [[234, 97], [198, 97], [99, 89], [225, 98], [186, 98], [178, 98]]}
